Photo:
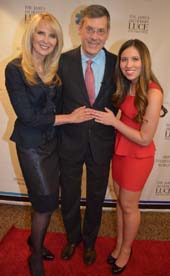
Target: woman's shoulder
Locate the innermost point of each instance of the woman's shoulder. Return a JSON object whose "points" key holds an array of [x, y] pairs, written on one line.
{"points": [[14, 64], [154, 85], [15, 61], [14, 71]]}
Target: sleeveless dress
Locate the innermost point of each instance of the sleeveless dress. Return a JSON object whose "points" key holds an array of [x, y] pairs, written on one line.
{"points": [[131, 163]]}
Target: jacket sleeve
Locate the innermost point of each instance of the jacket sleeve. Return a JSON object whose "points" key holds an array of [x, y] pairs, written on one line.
{"points": [[18, 93]]}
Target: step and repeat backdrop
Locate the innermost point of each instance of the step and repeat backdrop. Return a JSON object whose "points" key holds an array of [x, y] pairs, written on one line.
{"points": [[147, 20]]}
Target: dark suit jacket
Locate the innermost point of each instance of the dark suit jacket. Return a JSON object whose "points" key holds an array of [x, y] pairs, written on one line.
{"points": [[76, 137], [35, 107]]}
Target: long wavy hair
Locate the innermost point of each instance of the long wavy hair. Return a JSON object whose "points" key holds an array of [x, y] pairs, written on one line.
{"points": [[50, 64], [142, 85]]}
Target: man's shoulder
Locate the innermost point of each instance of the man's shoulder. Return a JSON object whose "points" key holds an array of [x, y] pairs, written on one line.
{"points": [[69, 58], [71, 53], [110, 54], [111, 59]]}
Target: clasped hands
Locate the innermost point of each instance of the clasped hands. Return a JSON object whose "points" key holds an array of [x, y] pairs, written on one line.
{"points": [[83, 114]]}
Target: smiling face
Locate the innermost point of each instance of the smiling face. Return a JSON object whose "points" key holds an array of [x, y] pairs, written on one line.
{"points": [[131, 64], [93, 33], [44, 40]]}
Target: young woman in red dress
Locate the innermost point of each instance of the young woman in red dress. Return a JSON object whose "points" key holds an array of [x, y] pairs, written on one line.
{"points": [[139, 98]]}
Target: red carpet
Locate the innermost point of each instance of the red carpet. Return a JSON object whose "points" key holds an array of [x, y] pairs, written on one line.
{"points": [[149, 258]]}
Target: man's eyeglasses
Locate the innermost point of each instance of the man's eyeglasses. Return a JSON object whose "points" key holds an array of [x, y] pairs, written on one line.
{"points": [[91, 30]]}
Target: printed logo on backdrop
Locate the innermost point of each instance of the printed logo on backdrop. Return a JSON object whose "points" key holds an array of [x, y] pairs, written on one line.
{"points": [[78, 17], [167, 133], [162, 188], [163, 162], [31, 10], [73, 25], [138, 24]]}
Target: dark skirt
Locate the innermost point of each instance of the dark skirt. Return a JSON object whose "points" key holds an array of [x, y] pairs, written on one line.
{"points": [[40, 169]]}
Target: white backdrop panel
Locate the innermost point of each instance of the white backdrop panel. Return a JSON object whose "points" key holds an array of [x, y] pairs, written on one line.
{"points": [[147, 20]]}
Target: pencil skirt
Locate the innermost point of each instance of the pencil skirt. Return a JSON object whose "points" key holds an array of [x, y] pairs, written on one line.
{"points": [[40, 169]]}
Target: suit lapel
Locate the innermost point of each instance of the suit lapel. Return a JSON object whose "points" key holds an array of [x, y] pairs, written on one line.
{"points": [[105, 77], [80, 78], [79, 75]]}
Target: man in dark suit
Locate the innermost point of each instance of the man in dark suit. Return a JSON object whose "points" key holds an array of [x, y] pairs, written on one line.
{"points": [[86, 143]]}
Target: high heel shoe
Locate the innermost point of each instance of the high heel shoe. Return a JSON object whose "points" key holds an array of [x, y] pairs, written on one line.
{"points": [[117, 269], [36, 266], [46, 254], [111, 260]]}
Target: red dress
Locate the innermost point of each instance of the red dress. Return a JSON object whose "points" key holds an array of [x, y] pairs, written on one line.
{"points": [[131, 163]]}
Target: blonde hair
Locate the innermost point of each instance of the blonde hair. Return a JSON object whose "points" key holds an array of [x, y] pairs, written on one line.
{"points": [[50, 64]]}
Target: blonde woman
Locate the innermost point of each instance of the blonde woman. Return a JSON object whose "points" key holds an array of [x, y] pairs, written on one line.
{"points": [[34, 88]]}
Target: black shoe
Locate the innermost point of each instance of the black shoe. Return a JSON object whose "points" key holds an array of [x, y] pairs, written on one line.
{"points": [[68, 251], [117, 269], [36, 266], [46, 254], [111, 260], [89, 256]]}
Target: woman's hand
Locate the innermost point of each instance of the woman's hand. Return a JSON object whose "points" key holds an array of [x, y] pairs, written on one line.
{"points": [[106, 118], [81, 114]]}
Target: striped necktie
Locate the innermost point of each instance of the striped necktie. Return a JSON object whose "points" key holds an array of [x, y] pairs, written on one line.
{"points": [[89, 81]]}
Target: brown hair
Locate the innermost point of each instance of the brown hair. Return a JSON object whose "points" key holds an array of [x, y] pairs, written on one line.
{"points": [[95, 11], [142, 86]]}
